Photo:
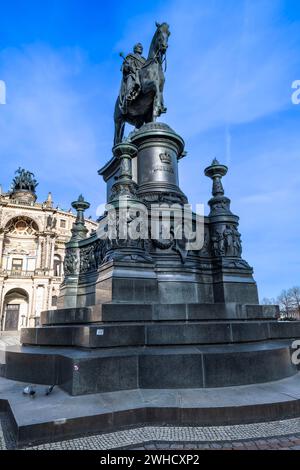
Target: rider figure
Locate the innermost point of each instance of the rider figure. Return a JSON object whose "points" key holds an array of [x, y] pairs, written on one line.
{"points": [[131, 85]]}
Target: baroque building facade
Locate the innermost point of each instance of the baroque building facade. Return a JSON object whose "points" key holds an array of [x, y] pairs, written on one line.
{"points": [[32, 251]]}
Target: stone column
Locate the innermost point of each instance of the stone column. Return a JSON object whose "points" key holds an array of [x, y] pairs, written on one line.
{"points": [[51, 254], [1, 246], [31, 306], [39, 252], [79, 230], [127, 268], [233, 280], [123, 200], [48, 296], [43, 252], [47, 252], [221, 217], [1, 303], [69, 289]]}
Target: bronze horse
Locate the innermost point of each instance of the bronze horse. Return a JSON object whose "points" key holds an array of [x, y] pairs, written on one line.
{"points": [[149, 103]]}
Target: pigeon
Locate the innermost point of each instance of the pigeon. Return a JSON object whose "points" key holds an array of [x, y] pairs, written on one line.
{"points": [[30, 391], [49, 389]]}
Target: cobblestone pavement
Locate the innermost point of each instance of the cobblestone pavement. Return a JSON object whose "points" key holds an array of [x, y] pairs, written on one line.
{"points": [[2, 441], [273, 435], [7, 438]]}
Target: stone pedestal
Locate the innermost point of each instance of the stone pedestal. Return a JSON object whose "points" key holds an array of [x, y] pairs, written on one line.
{"points": [[159, 149], [150, 313]]}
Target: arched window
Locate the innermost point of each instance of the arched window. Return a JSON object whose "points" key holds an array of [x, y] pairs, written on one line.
{"points": [[22, 226], [19, 249]]}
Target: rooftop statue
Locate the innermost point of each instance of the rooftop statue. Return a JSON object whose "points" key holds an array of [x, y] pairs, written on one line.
{"points": [[141, 94], [24, 180]]}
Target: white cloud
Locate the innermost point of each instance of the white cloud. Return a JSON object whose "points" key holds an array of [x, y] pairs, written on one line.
{"points": [[50, 123], [233, 64]]}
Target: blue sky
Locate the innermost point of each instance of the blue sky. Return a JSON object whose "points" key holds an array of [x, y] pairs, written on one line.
{"points": [[231, 64]]}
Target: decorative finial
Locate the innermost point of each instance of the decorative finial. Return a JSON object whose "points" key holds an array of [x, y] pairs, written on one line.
{"points": [[49, 201], [219, 204], [216, 171], [124, 185], [79, 230]]}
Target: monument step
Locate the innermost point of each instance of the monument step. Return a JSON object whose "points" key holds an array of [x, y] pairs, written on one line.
{"points": [[106, 335], [82, 372], [60, 416], [115, 312]]}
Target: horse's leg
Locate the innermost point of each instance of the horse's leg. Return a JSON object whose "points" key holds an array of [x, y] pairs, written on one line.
{"points": [[149, 115], [156, 104], [150, 87], [148, 93], [161, 95]]}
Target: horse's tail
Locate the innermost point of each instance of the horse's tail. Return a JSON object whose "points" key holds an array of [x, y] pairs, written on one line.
{"points": [[119, 123], [117, 110]]}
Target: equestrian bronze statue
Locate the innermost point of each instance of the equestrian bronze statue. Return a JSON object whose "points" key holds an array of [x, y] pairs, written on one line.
{"points": [[141, 94]]}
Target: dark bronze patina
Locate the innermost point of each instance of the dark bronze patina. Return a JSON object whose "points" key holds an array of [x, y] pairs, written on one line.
{"points": [[141, 94]]}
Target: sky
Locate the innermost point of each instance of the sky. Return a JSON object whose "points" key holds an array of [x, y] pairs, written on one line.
{"points": [[230, 69]]}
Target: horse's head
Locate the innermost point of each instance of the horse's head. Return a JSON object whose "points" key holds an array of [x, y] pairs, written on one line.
{"points": [[159, 43], [162, 33]]}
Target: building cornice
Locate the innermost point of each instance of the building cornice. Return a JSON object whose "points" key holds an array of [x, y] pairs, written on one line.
{"points": [[39, 207]]}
